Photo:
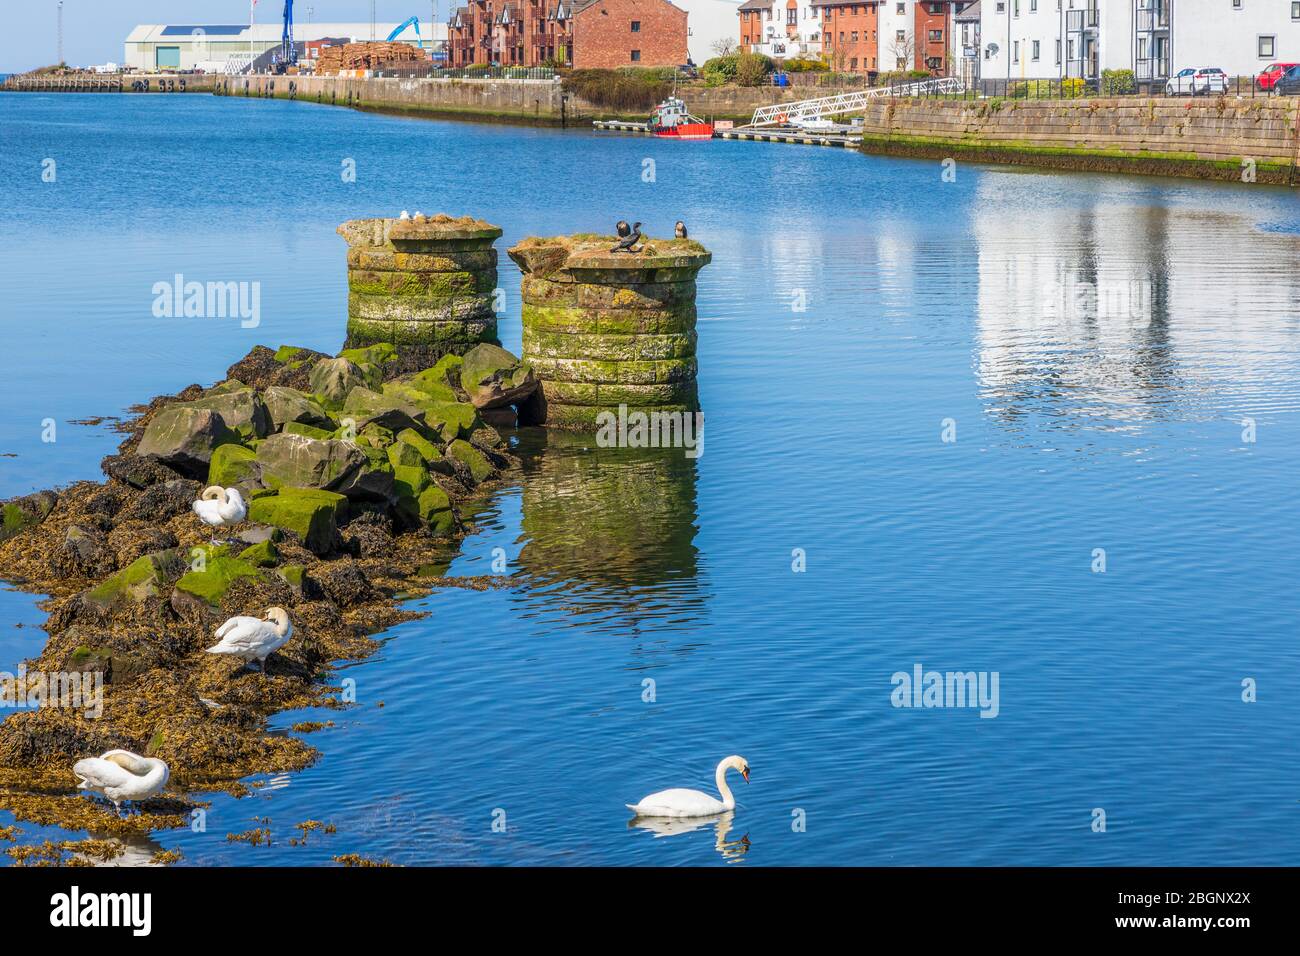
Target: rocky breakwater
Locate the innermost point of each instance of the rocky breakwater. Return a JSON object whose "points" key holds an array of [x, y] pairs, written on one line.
{"points": [[422, 284], [353, 470], [604, 329]]}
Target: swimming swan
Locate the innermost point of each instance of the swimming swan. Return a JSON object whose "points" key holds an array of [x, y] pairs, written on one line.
{"points": [[221, 506], [693, 803], [121, 775], [254, 638]]}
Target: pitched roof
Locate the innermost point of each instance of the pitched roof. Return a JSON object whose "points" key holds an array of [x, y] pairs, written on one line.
{"points": [[970, 15]]}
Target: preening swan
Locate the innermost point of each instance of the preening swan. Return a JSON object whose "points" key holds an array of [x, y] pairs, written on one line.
{"points": [[694, 803], [219, 506], [121, 775], [254, 638]]}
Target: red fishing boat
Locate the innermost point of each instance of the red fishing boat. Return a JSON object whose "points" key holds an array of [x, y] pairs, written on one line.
{"points": [[671, 121]]}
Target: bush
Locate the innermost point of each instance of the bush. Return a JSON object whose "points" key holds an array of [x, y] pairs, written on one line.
{"points": [[720, 69], [1118, 82], [801, 65], [625, 91], [752, 69], [898, 77]]}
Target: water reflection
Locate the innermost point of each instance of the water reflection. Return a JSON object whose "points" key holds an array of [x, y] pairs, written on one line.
{"points": [[609, 531], [1111, 317], [729, 850]]}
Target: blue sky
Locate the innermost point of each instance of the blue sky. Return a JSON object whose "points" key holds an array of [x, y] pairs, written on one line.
{"points": [[94, 30]]}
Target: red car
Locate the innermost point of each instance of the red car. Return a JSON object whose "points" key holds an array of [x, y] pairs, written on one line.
{"points": [[1268, 79]]}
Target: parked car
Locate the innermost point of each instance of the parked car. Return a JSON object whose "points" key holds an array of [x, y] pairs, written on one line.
{"points": [[1288, 84], [1209, 79], [1272, 73]]}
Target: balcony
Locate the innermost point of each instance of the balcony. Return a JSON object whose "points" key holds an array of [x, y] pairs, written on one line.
{"points": [[1153, 20]]}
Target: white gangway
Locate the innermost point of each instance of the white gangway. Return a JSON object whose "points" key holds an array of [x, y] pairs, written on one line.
{"points": [[791, 114]]}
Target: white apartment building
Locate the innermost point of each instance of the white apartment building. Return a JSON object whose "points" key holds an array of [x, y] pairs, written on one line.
{"points": [[1050, 39], [790, 28]]}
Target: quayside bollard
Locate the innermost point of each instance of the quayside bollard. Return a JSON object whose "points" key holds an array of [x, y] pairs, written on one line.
{"points": [[422, 284], [607, 329]]}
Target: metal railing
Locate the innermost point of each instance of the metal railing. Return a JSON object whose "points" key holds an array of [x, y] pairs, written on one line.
{"points": [[782, 114]]}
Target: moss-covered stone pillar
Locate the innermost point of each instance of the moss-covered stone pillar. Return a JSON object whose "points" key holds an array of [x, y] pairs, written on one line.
{"points": [[424, 285], [605, 329]]}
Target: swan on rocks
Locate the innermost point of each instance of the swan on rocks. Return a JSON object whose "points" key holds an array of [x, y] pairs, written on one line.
{"points": [[219, 506], [254, 638], [679, 802], [121, 775]]}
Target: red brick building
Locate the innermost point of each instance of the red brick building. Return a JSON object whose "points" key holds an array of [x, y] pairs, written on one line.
{"points": [[587, 34], [850, 35]]}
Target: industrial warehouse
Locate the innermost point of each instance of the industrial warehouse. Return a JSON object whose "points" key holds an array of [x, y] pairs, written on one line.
{"points": [[230, 48]]}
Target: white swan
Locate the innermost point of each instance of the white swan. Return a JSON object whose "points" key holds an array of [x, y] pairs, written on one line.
{"points": [[254, 638], [121, 775], [694, 803], [221, 506]]}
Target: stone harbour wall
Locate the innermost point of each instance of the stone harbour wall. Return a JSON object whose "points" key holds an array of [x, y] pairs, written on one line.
{"points": [[424, 284], [604, 329]]}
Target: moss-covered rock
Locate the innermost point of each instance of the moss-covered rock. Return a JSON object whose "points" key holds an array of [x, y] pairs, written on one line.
{"points": [[473, 459], [332, 379], [440, 382], [149, 576], [285, 405], [401, 454], [296, 461], [312, 514], [366, 406], [232, 465], [297, 428], [240, 407], [425, 448], [377, 354], [292, 575], [219, 572], [262, 555], [25, 512], [185, 437], [493, 378], [451, 420]]}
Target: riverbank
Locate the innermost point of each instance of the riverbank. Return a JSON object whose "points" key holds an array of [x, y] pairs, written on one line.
{"points": [[1254, 140]]}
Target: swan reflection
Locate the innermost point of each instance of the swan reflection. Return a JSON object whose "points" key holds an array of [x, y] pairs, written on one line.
{"points": [[730, 850]]}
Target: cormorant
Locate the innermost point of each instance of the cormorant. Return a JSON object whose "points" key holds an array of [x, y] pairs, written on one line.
{"points": [[680, 231], [627, 242]]}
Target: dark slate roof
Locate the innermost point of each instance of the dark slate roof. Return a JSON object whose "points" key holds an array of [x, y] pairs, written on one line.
{"points": [[970, 15]]}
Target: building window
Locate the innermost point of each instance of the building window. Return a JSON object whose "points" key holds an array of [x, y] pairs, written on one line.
{"points": [[636, 26], [1033, 6], [1295, 10], [1267, 47], [636, 56], [853, 37], [1034, 52], [1058, 52], [936, 36], [902, 9], [1015, 51]]}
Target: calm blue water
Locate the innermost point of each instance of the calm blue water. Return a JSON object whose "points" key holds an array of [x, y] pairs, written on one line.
{"points": [[1096, 341]]}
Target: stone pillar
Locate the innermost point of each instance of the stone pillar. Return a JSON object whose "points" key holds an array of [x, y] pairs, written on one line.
{"points": [[606, 329], [424, 285]]}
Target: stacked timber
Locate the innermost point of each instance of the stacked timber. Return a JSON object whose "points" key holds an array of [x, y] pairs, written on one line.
{"points": [[366, 56]]}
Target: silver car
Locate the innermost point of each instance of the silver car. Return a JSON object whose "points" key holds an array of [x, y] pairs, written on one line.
{"points": [[1206, 80]]}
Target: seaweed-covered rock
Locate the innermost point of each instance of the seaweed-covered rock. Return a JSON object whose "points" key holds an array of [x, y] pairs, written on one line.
{"points": [[239, 406], [285, 405], [185, 437], [378, 354], [332, 379], [312, 514], [133, 539], [233, 465], [138, 471], [85, 551], [161, 502], [342, 582], [149, 576], [296, 461], [433, 507], [493, 378], [310, 431], [24, 512], [426, 449]]}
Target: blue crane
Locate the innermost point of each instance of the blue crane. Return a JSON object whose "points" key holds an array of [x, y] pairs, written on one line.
{"points": [[409, 21], [288, 52]]}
